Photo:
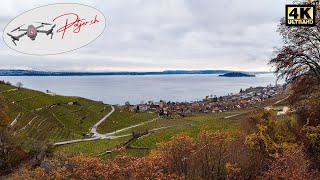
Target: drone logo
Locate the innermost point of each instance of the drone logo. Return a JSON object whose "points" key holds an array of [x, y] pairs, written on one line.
{"points": [[31, 32], [73, 25]]}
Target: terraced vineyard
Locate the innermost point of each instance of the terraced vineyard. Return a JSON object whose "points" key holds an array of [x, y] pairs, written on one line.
{"points": [[191, 125], [122, 119], [92, 147], [45, 118], [211, 122]]}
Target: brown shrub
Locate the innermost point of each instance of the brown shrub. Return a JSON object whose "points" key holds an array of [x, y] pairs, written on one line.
{"points": [[293, 164]]}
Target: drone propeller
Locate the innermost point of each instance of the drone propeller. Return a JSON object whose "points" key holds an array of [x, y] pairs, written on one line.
{"points": [[13, 38], [17, 28], [50, 30], [14, 42], [44, 23]]}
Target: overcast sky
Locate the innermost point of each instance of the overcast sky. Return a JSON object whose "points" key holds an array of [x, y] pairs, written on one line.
{"points": [[155, 35]]}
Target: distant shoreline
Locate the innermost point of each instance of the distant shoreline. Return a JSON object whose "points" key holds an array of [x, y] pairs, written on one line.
{"points": [[171, 72]]}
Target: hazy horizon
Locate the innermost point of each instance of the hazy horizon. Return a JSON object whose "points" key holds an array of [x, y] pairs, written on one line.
{"points": [[41, 70]]}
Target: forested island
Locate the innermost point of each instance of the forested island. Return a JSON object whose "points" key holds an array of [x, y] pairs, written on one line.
{"points": [[237, 74]]}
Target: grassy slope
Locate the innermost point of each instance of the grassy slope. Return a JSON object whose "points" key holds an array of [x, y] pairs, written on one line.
{"points": [[122, 118], [91, 147], [212, 122], [61, 122]]}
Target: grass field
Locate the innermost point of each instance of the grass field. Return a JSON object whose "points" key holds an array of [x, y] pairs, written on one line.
{"points": [[122, 118], [91, 147], [195, 120], [211, 122]]}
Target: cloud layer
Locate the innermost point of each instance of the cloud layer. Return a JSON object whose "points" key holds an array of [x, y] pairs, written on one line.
{"points": [[164, 34]]}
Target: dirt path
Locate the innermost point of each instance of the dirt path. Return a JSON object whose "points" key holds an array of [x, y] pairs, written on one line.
{"points": [[27, 126], [94, 128], [267, 107], [119, 136], [10, 90], [15, 120], [129, 127]]}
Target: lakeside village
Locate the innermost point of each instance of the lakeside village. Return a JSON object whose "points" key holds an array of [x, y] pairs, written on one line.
{"points": [[210, 104]]}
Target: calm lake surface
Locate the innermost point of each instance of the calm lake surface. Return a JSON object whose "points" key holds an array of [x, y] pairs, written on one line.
{"points": [[119, 89]]}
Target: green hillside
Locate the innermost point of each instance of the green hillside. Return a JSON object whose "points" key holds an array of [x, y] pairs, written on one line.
{"points": [[47, 118], [191, 125], [212, 122], [122, 118]]}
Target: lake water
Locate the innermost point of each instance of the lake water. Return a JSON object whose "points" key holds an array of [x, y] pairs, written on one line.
{"points": [[119, 89]]}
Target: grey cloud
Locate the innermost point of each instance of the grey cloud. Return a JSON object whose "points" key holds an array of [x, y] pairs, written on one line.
{"points": [[158, 35]]}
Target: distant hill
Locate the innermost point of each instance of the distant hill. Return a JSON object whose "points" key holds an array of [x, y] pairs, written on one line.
{"points": [[48, 73], [237, 74]]}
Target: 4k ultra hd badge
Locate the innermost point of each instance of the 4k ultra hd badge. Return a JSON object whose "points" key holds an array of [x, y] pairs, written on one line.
{"points": [[300, 15]]}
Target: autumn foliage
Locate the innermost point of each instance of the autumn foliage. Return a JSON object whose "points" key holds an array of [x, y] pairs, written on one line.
{"points": [[260, 153], [4, 113], [293, 164], [89, 167]]}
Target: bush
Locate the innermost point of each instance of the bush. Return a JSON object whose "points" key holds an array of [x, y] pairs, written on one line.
{"points": [[293, 164]]}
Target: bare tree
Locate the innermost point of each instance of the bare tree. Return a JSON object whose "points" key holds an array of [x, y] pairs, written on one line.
{"points": [[298, 60], [127, 105], [300, 55], [19, 84]]}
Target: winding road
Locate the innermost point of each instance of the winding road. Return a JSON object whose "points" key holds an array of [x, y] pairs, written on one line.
{"points": [[94, 128], [96, 135], [123, 129]]}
